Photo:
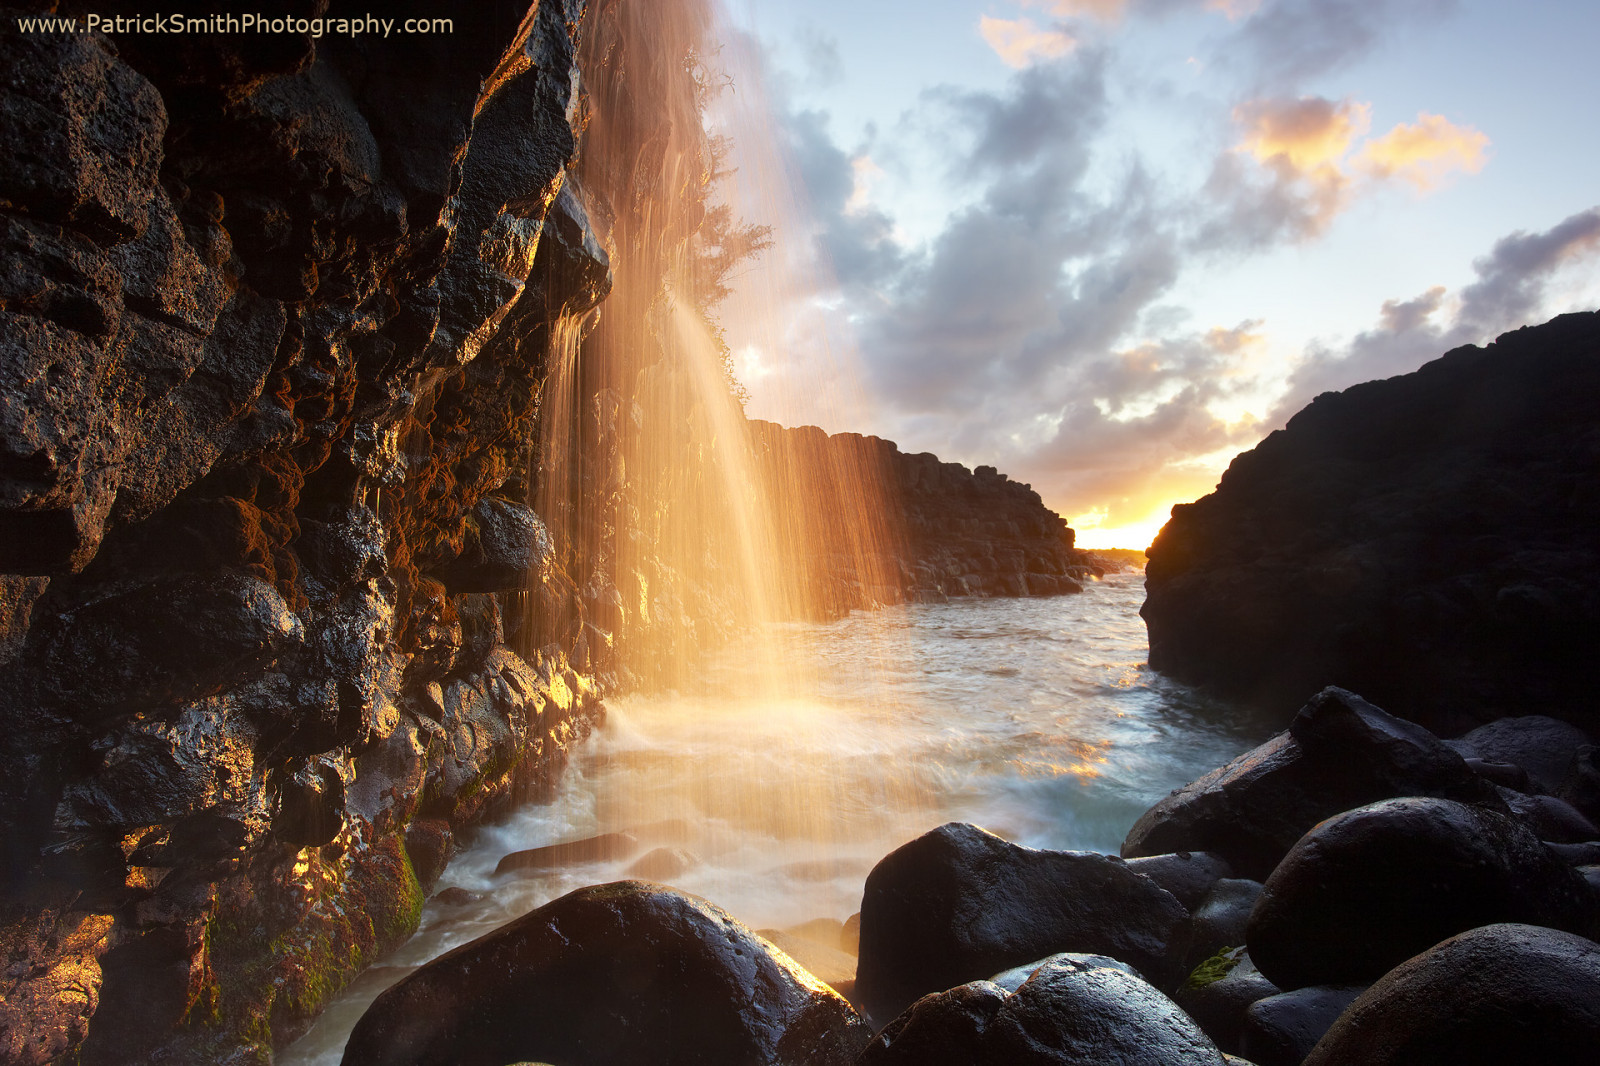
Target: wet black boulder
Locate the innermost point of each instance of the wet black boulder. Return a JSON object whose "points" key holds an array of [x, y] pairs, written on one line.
{"points": [[1546, 748], [1371, 887], [1222, 917], [1068, 1012], [1281, 1030], [1188, 875], [958, 904], [622, 973], [1219, 992], [1340, 752], [1490, 996]]}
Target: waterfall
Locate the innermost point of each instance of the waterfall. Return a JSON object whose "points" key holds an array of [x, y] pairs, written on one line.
{"points": [[679, 524]]}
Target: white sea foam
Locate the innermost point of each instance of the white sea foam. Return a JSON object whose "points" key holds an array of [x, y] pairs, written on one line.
{"points": [[1034, 718]]}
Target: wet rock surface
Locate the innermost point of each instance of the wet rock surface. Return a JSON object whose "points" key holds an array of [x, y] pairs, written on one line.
{"points": [[1188, 875], [959, 904], [1426, 541], [619, 973], [1501, 993], [259, 428], [1281, 1030], [1219, 993], [1066, 1012], [1544, 748], [1220, 920], [1340, 752], [1369, 888]]}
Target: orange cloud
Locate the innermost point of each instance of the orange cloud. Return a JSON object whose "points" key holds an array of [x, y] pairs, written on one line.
{"points": [[1426, 153], [1019, 43], [1105, 10], [1234, 9], [1111, 10], [1306, 135]]}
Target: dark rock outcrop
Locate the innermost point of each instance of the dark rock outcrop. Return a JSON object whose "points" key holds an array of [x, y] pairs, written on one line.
{"points": [[1340, 752], [1428, 541], [620, 973], [958, 904], [1502, 993], [274, 320], [1369, 888], [1066, 1012], [950, 531]]}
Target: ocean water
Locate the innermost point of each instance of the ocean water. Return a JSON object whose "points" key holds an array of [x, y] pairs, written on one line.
{"points": [[1036, 719]]}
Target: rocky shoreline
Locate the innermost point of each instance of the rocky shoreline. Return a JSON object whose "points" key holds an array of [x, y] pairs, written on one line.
{"points": [[290, 595], [1354, 891]]}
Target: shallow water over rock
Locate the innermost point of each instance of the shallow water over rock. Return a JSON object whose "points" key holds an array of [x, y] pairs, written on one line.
{"points": [[1034, 718]]}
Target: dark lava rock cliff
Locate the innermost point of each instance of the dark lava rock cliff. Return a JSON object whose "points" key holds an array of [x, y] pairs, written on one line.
{"points": [[1432, 541], [272, 320], [947, 531]]}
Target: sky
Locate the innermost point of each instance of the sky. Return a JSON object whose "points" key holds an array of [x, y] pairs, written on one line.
{"points": [[1105, 245]]}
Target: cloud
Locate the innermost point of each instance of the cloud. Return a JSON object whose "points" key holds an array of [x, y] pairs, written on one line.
{"points": [[1513, 278], [1112, 10], [1290, 42], [1033, 328], [1511, 290], [1306, 134], [1424, 154], [852, 237], [1019, 43], [866, 173], [1285, 178], [1311, 164], [1105, 10]]}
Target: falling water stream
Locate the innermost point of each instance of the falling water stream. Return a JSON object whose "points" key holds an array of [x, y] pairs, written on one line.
{"points": [[770, 773], [1034, 718]]}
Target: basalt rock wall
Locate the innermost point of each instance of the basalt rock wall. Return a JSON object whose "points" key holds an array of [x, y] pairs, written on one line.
{"points": [[1432, 540], [947, 531], [274, 311]]}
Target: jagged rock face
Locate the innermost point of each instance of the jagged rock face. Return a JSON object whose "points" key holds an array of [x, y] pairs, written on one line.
{"points": [[948, 531], [1428, 541], [273, 317]]}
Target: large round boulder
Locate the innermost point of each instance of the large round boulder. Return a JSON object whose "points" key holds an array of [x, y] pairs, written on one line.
{"points": [[1340, 752], [1490, 996], [958, 904], [1371, 887], [1545, 747], [622, 973], [1068, 1012]]}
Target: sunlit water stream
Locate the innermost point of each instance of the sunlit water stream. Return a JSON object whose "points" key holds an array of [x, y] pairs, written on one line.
{"points": [[1034, 718]]}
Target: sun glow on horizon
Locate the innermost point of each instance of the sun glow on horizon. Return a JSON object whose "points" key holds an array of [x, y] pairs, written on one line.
{"points": [[1092, 532]]}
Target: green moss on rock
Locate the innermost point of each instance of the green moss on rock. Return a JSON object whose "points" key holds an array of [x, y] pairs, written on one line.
{"points": [[1215, 968]]}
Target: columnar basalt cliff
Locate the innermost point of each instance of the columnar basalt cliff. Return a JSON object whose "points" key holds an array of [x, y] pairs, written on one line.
{"points": [[1432, 540], [956, 532], [273, 322]]}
